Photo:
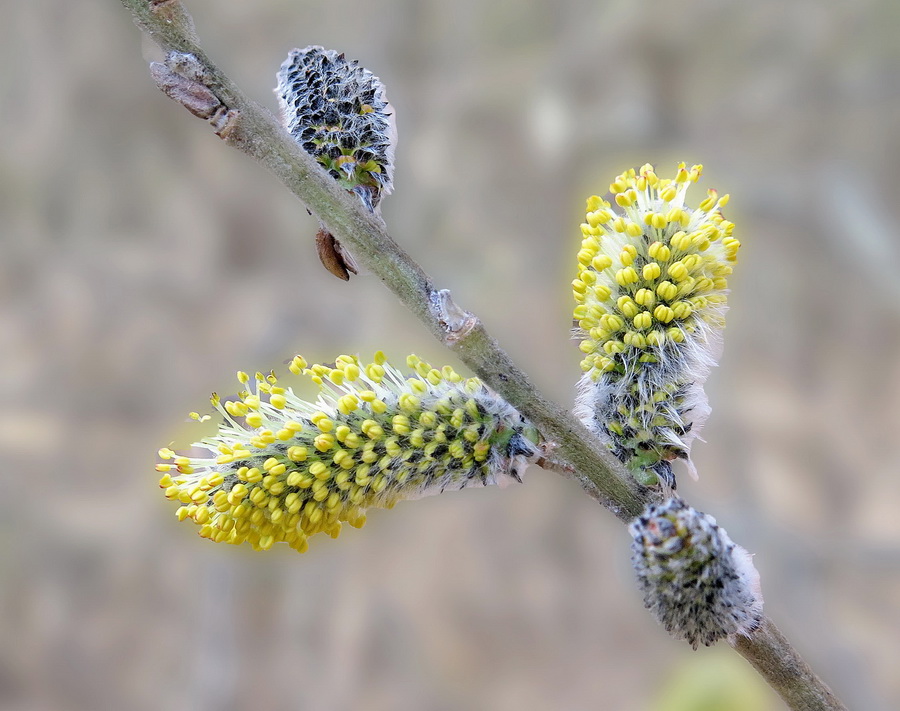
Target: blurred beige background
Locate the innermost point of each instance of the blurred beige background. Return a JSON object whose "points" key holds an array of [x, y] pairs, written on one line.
{"points": [[143, 263]]}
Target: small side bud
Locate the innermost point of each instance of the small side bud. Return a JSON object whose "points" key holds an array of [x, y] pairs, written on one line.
{"points": [[183, 78], [696, 582]]}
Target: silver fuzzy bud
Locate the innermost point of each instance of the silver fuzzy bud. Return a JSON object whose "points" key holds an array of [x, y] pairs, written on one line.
{"points": [[697, 583]]}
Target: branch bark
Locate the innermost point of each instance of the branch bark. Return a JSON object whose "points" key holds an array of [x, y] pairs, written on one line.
{"points": [[189, 77]]}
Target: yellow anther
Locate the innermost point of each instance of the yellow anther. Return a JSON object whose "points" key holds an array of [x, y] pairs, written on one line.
{"points": [[645, 297], [681, 240], [681, 309], [667, 290], [651, 271], [633, 229], [603, 261], [409, 402], [677, 270], [656, 338], [324, 442], [626, 199], [643, 320], [628, 308], [675, 334], [347, 404], [298, 364], [379, 407], [686, 286], [634, 339], [320, 471], [663, 313], [375, 372], [400, 424], [692, 261], [611, 322], [351, 371], [710, 201], [659, 251], [668, 193], [676, 214], [278, 401], [371, 429], [594, 218], [626, 276]]}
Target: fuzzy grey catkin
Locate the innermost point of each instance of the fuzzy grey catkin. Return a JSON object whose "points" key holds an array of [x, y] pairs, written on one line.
{"points": [[696, 582], [338, 112]]}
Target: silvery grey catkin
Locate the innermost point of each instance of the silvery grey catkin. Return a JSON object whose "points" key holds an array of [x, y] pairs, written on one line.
{"points": [[337, 112], [698, 584]]}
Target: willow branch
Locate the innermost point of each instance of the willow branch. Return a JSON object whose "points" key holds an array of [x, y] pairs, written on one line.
{"points": [[242, 123], [776, 660], [190, 78]]}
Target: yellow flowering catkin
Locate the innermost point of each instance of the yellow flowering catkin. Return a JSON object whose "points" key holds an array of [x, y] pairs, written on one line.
{"points": [[650, 301], [281, 469]]}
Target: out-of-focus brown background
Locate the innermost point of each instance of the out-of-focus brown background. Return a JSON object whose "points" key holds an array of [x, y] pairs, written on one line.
{"points": [[143, 263]]}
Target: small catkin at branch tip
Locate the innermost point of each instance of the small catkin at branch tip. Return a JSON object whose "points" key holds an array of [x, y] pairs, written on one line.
{"points": [[281, 469], [696, 582]]}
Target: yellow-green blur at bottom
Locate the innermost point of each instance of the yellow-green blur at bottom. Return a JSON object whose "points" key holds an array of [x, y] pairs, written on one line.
{"points": [[650, 298], [281, 469]]}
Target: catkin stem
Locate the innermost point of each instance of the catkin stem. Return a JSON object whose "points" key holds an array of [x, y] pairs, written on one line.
{"points": [[246, 125]]}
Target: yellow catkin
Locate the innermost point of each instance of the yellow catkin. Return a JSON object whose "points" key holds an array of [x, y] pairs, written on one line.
{"points": [[374, 437], [650, 293]]}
